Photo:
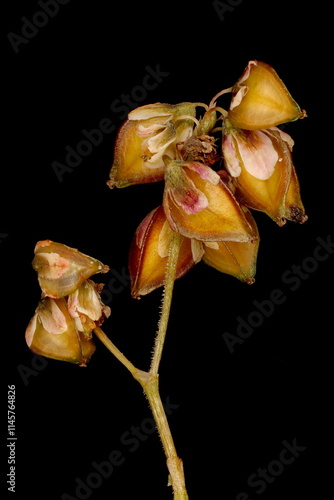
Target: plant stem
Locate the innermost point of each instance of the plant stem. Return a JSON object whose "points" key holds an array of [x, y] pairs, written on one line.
{"points": [[150, 385], [114, 350], [150, 380], [167, 301]]}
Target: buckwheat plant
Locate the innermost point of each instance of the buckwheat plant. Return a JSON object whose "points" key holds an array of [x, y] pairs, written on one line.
{"points": [[216, 167]]}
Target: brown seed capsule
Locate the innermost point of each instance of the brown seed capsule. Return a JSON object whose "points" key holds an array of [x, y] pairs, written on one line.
{"points": [[149, 253]]}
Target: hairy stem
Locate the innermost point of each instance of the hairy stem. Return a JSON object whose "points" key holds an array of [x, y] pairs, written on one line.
{"points": [[150, 380], [114, 350], [167, 301]]}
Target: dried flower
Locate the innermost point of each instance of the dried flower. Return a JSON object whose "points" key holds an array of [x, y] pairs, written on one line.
{"points": [[210, 208], [232, 257], [199, 205], [204, 216], [150, 249], [52, 333], [150, 132], [62, 269], [86, 307], [260, 163], [261, 100], [149, 253], [70, 307]]}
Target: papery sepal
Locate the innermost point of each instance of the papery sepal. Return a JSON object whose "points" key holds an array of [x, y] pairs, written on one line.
{"points": [[61, 269]]}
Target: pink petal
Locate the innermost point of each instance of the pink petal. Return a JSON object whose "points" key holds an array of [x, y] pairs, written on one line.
{"points": [[230, 156], [52, 318], [257, 154], [188, 197], [53, 267]]}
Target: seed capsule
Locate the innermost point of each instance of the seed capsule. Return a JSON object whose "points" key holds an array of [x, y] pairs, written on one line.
{"points": [[62, 269], [199, 205], [149, 253], [52, 333], [234, 258], [261, 100]]}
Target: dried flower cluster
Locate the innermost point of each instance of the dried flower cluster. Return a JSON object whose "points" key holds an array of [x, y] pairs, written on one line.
{"points": [[215, 169], [70, 307]]}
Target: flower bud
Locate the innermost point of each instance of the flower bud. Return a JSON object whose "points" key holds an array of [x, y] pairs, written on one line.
{"points": [[149, 254], [261, 100], [52, 333], [150, 132], [207, 122], [62, 269], [199, 205]]}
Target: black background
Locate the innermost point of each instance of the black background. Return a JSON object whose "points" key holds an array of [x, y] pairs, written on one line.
{"points": [[234, 410]]}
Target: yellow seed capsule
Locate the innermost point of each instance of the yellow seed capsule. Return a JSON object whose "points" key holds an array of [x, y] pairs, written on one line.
{"points": [[52, 333], [294, 208], [264, 178], [234, 258], [62, 269], [199, 205], [261, 100], [150, 132]]}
